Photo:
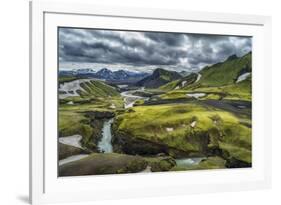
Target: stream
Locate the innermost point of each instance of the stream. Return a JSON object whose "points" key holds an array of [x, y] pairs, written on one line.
{"points": [[105, 144]]}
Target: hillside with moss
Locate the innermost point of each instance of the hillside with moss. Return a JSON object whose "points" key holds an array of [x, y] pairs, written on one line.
{"points": [[77, 113], [219, 81], [227, 72]]}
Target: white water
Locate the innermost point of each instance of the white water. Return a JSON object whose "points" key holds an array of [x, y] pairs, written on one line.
{"points": [[72, 158], [105, 144], [189, 161], [196, 95], [71, 88], [243, 77], [198, 77], [73, 140]]}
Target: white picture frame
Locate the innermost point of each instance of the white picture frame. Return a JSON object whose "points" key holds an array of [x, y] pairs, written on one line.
{"points": [[46, 187]]}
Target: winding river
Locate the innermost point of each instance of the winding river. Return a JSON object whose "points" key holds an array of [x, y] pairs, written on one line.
{"points": [[130, 99], [105, 144]]}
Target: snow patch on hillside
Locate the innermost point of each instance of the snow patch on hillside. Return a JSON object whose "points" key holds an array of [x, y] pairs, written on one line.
{"points": [[243, 77], [198, 77], [69, 89], [73, 140]]}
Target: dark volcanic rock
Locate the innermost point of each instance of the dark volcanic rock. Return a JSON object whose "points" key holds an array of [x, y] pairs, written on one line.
{"points": [[137, 146], [134, 146], [99, 114], [235, 163]]}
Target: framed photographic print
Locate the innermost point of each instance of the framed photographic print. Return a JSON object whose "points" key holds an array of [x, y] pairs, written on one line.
{"points": [[131, 103]]}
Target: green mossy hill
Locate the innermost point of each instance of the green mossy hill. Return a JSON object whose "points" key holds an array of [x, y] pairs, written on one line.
{"points": [[72, 123], [85, 120], [109, 163], [227, 72], [214, 76], [84, 114], [236, 91], [66, 79], [191, 128], [158, 78], [91, 103], [97, 89], [181, 83]]}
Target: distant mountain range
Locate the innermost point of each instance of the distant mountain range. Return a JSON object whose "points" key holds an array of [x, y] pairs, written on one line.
{"points": [[120, 76], [233, 69], [158, 78]]}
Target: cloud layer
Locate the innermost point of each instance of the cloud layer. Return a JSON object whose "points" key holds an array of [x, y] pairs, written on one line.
{"points": [[146, 50]]}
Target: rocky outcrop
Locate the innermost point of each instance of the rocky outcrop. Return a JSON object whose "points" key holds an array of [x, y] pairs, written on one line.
{"points": [[99, 114], [231, 162], [134, 146], [160, 164], [109, 163], [67, 151], [124, 143], [235, 163]]}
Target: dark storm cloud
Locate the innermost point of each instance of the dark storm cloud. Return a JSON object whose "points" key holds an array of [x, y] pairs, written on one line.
{"points": [[147, 48], [170, 39]]}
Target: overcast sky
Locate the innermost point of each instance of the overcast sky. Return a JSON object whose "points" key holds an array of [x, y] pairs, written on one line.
{"points": [[145, 51]]}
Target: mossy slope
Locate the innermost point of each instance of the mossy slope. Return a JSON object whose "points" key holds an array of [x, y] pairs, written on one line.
{"points": [[193, 128]]}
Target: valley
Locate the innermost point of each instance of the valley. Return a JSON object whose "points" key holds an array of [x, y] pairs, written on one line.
{"points": [[124, 122]]}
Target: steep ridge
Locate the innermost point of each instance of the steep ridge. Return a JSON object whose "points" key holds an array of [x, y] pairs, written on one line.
{"points": [[158, 78]]}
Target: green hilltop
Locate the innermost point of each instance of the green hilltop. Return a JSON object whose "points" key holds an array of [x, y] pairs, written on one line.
{"points": [[97, 89], [218, 81], [227, 72], [158, 78]]}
